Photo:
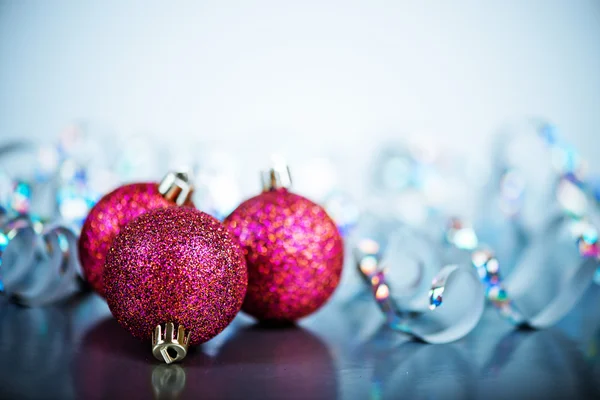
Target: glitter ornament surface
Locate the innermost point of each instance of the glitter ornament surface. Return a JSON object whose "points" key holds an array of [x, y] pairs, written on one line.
{"points": [[175, 265], [107, 218], [294, 254]]}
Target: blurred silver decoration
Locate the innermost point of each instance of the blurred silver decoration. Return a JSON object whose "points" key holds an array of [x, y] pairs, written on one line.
{"points": [[218, 191], [21, 190], [593, 189], [343, 209], [419, 183], [60, 180], [418, 293], [536, 173], [39, 262], [139, 159], [318, 179], [83, 172]]}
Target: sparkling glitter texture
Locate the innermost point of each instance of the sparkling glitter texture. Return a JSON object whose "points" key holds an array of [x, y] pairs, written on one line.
{"points": [[294, 254], [107, 218], [175, 265]]}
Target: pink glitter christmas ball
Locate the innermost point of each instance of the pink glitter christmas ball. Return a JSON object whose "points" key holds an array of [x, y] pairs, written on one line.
{"points": [[175, 265], [107, 218], [294, 254]]}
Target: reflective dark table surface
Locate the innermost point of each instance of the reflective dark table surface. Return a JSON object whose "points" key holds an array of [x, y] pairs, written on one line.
{"points": [[75, 350]]}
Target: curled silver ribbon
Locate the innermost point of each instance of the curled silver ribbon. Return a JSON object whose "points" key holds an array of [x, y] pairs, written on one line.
{"points": [[441, 309], [520, 297], [39, 263]]}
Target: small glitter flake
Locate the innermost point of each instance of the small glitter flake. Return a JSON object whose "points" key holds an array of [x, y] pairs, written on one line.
{"points": [[175, 265], [294, 253]]}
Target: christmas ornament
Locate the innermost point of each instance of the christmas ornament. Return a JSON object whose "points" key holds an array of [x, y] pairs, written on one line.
{"points": [[119, 207], [293, 249], [176, 275]]}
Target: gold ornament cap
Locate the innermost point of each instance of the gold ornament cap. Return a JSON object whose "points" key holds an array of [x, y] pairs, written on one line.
{"points": [[168, 347], [176, 187]]}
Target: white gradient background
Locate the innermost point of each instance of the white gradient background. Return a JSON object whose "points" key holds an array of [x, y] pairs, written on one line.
{"points": [[309, 78]]}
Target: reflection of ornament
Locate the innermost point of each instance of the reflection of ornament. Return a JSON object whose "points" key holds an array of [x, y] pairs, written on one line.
{"points": [[287, 352], [116, 209], [168, 381], [538, 351], [416, 292], [107, 363], [174, 266], [293, 249]]}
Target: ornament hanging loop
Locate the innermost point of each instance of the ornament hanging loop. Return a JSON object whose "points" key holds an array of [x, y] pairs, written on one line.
{"points": [[176, 187], [168, 347], [276, 177]]}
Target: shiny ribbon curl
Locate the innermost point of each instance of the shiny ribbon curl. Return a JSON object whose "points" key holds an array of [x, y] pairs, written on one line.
{"points": [[440, 321], [38, 262], [508, 295]]}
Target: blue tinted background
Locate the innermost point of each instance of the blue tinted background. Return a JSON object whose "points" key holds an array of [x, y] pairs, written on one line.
{"points": [[307, 78]]}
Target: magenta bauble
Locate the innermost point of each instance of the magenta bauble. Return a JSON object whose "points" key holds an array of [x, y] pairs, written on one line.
{"points": [[294, 254], [175, 265], [118, 208]]}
